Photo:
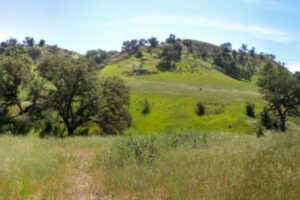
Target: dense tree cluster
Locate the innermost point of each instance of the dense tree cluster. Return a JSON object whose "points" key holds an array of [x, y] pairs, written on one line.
{"points": [[235, 64], [170, 55], [59, 95]]}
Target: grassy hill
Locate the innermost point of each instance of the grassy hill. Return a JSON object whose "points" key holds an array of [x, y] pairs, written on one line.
{"points": [[173, 96]]}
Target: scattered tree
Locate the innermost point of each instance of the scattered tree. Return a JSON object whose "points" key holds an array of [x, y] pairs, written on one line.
{"points": [[282, 91], [171, 53], [243, 49], [153, 42], [98, 56], [226, 47], [252, 51], [42, 42], [130, 46], [29, 41], [171, 39], [11, 42]]}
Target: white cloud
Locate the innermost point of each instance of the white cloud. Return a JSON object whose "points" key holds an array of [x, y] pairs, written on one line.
{"points": [[294, 66], [254, 30]]}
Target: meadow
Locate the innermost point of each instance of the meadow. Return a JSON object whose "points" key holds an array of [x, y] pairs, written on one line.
{"points": [[162, 166]]}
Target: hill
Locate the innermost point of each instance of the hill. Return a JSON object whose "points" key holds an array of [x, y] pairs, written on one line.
{"points": [[221, 78], [173, 95]]}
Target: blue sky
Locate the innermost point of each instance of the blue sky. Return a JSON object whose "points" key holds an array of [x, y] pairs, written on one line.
{"points": [[272, 26]]}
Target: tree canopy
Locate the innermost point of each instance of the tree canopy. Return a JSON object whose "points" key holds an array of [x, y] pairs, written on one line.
{"points": [[282, 91]]}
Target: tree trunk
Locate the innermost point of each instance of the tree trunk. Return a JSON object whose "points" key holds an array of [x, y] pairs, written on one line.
{"points": [[70, 130]]}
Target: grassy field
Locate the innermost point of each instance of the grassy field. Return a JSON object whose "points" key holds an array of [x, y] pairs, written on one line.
{"points": [[173, 96], [164, 166]]}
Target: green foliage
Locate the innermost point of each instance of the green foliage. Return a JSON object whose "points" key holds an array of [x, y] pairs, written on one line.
{"points": [[141, 149], [226, 47], [29, 41], [16, 75], [282, 91], [114, 114], [21, 125], [75, 94], [97, 56], [34, 53], [250, 109], [42, 42], [153, 42], [130, 46], [171, 39], [266, 119], [260, 132], [170, 55], [234, 64], [146, 107], [139, 54], [200, 109]]}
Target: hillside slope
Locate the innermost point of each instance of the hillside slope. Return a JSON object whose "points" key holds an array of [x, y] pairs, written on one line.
{"points": [[173, 96]]}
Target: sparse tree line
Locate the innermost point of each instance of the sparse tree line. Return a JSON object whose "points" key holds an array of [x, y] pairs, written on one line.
{"points": [[241, 64]]}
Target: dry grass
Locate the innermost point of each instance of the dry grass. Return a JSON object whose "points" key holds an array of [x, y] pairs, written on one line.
{"points": [[226, 167]]}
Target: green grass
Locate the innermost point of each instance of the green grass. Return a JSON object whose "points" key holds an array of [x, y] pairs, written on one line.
{"points": [[33, 168], [221, 167], [174, 95], [173, 166]]}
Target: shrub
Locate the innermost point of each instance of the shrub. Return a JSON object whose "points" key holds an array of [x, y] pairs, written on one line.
{"points": [[260, 132], [141, 149], [200, 109], [21, 125], [250, 110], [266, 119], [34, 53], [146, 107], [139, 54]]}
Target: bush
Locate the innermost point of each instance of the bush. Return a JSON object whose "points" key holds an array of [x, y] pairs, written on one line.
{"points": [[260, 132], [34, 53], [21, 125], [266, 119], [250, 110], [139, 54], [200, 109], [142, 149], [146, 107]]}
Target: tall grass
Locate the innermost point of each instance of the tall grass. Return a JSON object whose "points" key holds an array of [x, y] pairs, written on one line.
{"points": [[29, 167], [33, 168], [219, 167]]}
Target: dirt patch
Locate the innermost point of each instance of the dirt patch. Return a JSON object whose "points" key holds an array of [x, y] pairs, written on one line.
{"points": [[82, 184]]}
